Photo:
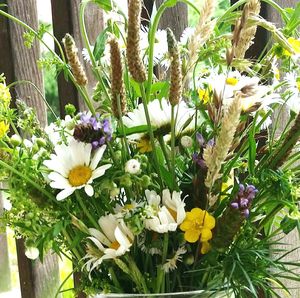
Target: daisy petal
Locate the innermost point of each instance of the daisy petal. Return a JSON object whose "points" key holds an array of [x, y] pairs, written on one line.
{"points": [[65, 193]]}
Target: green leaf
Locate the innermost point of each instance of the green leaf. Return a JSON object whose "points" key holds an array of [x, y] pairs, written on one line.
{"points": [[167, 177], [100, 44], [136, 87], [132, 130], [288, 224], [160, 90], [104, 4]]}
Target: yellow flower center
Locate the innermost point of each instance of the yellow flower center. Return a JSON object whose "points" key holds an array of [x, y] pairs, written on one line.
{"points": [[115, 245], [232, 81], [80, 175], [144, 145], [3, 128], [173, 213], [128, 207], [204, 95]]}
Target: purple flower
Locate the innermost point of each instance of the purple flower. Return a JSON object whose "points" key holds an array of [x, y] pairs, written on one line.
{"points": [[93, 130], [244, 198]]}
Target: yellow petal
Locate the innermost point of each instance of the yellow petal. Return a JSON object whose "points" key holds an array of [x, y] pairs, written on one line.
{"points": [[205, 247], [209, 221], [195, 214], [186, 225], [192, 235], [206, 235]]}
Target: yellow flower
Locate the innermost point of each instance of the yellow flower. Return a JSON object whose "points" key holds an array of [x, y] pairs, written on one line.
{"points": [[205, 247], [5, 96], [4, 127], [204, 94], [232, 81], [144, 145], [295, 44], [198, 225]]}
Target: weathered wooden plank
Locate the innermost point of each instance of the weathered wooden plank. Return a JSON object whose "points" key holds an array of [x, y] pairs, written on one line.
{"points": [[175, 18], [291, 240], [62, 24], [5, 280], [35, 280], [94, 21]]}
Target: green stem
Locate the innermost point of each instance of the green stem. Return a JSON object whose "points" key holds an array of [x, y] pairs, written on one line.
{"points": [[137, 276], [59, 290], [87, 100], [88, 47], [164, 150], [38, 90], [114, 279], [85, 210], [150, 131], [34, 184], [69, 240], [173, 124], [161, 272], [152, 32]]}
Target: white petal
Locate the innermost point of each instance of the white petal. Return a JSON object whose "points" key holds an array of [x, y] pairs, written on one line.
{"points": [[100, 236], [100, 171], [97, 157], [65, 193], [89, 190], [122, 239], [97, 243], [108, 225]]}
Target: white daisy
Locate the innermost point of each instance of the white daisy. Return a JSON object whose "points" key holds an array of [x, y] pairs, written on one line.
{"points": [[293, 91], [174, 204], [58, 132], [74, 167], [160, 117], [113, 241], [226, 85], [166, 217]]}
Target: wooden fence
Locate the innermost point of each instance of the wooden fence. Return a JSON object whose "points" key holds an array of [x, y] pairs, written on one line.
{"points": [[42, 280]]}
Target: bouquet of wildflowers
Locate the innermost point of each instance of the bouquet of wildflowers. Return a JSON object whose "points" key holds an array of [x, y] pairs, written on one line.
{"points": [[176, 178]]}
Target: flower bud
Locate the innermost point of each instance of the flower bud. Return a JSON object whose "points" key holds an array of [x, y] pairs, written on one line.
{"points": [[189, 259], [114, 192], [186, 142], [15, 140], [126, 181], [132, 166], [146, 180], [32, 253], [41, 142]]}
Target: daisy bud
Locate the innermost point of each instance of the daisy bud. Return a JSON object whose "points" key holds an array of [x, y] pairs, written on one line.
{"points": [[75, 64], [15, 140], [41, 142], [186, 142], [132, 166], [126, 181], [114, 192], [135, 63], [146, 180], [189, 259]]}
